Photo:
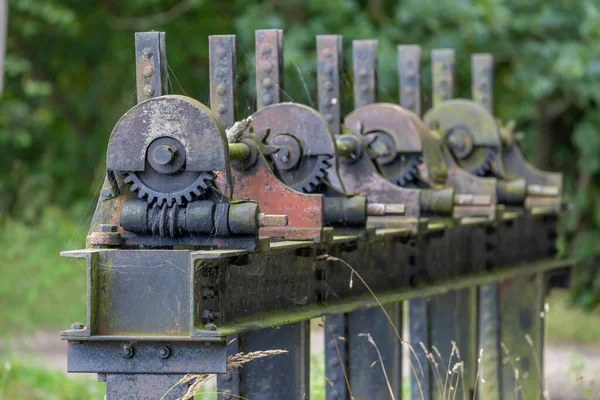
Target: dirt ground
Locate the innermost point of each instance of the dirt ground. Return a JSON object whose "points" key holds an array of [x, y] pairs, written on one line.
{"points": [[568, 368]]}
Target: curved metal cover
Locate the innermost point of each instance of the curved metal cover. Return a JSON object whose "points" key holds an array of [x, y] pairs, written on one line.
{"points": [[179, 117], [451, 113], [389, 118], [305, 123]]}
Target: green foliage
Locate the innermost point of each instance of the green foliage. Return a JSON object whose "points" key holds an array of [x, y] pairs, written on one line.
{"points": [[40, 289], [26, 381], [70, 76]]}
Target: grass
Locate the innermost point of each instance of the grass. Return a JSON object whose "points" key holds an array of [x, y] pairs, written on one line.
{"points": [[40, 289], [566, 323], [21, 380]]}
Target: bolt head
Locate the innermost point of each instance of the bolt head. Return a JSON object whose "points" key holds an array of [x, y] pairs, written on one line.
{"points": [[128, 351], [147, 52], [164, 352], [77, 326], [107, 228], [163, 155]]}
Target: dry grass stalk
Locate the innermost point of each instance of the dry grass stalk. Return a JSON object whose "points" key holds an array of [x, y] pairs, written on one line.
{"points": [[337, 349], [385, 375], [327, 257], [237, 360], [509, 359], [477, 374]]}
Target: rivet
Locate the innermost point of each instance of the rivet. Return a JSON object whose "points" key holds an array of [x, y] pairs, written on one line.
{"points": [[326, 52], [267, 82], [147, 52], [266, 49], [363, 73], [148, 90], [328, 85], [164, 352], [221, 109], [221, 90], [227, 394], [148, 71], [128, 351], [221, 73], [267, 99], [227, 377], [267, 66], [329, 118], [327, 69]]}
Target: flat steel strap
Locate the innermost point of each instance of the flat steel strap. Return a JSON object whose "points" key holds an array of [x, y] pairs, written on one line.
{"points": [[151, 65], [329, 65], [482, 79], [442, 70], [222, 56], [409, 76], [364, 67], [418, 317], [283, 376], [144, 387], [336, 357], [269, 67]]}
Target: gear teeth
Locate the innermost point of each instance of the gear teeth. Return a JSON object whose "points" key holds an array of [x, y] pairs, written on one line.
{"points": [[203, 182], [151, 198], [128, 179], [142, 194], [189, 197], [197, 192]]}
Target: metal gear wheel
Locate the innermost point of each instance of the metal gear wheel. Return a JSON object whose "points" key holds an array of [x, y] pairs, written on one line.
{"points": [[180, 188], [309, 174], [480, 161], [408, 169]]}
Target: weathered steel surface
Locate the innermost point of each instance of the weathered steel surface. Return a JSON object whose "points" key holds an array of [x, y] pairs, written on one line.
{"points": [[166, 357], [409, 76], [453, 315], [269, 67], [521, 336], [482, 84], [222, 77], [144, 386], [285, 376], [371, 341], [364, 68], [336, 356], [151, 65], [329, 59]]}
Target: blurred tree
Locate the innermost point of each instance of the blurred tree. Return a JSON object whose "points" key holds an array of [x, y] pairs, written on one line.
{"points": [[70, 75]]}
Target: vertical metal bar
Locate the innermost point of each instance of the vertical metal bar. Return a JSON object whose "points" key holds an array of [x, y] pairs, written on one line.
{"points": [[418, 319], [489, 313], [521, 335], [365, 370], [144, 386], [269, 67], [222, 58], [453, 316], [364, 67], [222, 77], [409, 76], [329, 61], [3, 35], [285, 376], [151, 65], [336, 357], [482, 79], [442, 69]]}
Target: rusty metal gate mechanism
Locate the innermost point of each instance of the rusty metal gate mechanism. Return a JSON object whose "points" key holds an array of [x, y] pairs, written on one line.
{"points": [[213, 236]]}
